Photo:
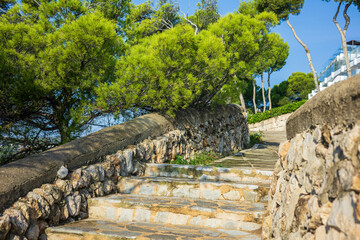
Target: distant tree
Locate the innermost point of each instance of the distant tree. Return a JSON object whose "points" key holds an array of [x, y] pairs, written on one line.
{"points": [[245, 42], [265, 61], [270, 59], [279, 94], [343, 31], [280, 52], [283, 8], [299, 86]]}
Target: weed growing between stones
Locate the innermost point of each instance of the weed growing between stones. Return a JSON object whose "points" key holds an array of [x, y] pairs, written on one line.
{"points": [[201, 159]]}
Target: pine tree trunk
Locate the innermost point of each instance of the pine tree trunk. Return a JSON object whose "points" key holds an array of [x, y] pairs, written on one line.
{"points": [[343, 35], [263, 92], [242, 101], [254, 96], [269, 90], [307, 54]]}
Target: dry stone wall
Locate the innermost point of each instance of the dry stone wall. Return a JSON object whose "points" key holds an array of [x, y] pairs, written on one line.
{"points": [[277, 123], [315, 193], [65, 198]]}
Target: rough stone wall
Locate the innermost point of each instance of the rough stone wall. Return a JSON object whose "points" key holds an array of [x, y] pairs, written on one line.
{"points": [[315, 193], [65, 199], [273, 124]]}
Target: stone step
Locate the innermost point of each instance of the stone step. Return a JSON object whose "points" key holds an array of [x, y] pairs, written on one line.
{"points": [[208, 173], [193, 188], [99, 229], [220, 214]]}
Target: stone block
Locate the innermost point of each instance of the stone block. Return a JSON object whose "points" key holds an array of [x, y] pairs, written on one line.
{"points": [[196, 221], [232, 195], [161, 217], [212, 223], [181, 192], [147, 190], [163, 190], [209, 194], [194, 193], [19, 225], [342, 215], [250, 196], [249, 226], [126, 215], [178, 219], [142, 215], [229, 224]]}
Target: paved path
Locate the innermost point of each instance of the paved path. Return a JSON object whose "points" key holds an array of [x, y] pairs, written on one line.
{"points": [[261, 156]]}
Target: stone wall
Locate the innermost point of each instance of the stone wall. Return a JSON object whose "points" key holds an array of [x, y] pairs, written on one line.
{"points": [[315, 193], [64, 198], [273, 124]]}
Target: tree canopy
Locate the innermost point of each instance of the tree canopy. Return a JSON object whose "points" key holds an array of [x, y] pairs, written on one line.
{"points": [[300, 85], [206, 14], [147, 19], [282, 8], [53, 55], [65, 63]]}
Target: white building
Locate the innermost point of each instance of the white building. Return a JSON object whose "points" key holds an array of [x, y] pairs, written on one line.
{"points": [[335, 70]]}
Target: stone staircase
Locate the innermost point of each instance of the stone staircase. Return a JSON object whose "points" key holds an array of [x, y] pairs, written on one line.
{"points": [[177, 202]]}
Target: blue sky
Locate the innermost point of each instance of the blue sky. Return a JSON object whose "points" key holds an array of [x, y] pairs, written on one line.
{"points": [[314, 26]]}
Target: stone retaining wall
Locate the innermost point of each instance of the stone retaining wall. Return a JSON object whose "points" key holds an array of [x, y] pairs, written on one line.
{"points": [[315, 193], [273, 124], [63, 197]]}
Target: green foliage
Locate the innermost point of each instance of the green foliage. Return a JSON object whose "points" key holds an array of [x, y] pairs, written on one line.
{"points": [[176, 69], [279, 52], [278, 93], [5, 5], [295, 88], [52, 56], [354, 2], [246, 39], [282, 8], [201, 159], [256, 138], [300, 85], [179, 160], [64, 63], [206, 14], [258, 117], [166, 71], [145, 20], [248, 8]]}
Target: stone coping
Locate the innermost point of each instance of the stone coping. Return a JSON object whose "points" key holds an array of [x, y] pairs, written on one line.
{"points": [[20, 177], [338, 104]]}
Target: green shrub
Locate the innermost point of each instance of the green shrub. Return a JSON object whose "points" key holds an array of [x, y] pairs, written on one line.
{"points": [[256, 138], [258, 117], [204, 158]]}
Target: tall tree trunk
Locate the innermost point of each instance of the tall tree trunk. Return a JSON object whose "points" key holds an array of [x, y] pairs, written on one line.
{"points": [[263, 92], [307, 54], [254, 96], [343, 34], [269, 90], [242, 101]]}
